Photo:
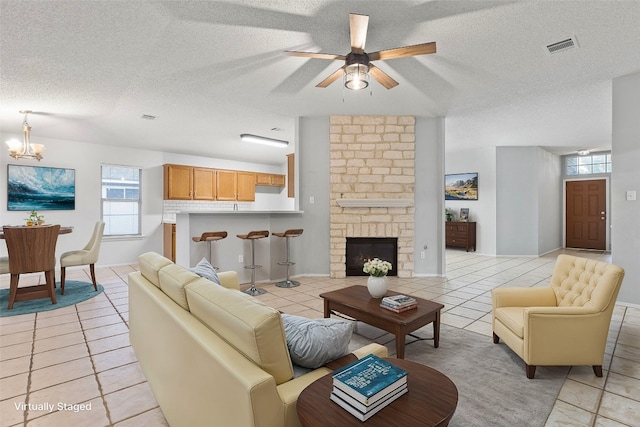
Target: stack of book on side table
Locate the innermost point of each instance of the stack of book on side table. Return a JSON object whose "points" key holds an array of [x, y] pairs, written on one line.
{"points": [[366, 386], [399, 303]]}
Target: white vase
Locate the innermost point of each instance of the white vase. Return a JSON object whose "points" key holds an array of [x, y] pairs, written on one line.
{"points": [[377, 286]]}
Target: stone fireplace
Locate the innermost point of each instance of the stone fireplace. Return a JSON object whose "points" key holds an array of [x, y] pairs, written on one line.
{"points": [[372, 186]]}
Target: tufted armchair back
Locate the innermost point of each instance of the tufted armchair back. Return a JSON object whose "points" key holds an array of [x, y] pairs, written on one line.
{"points": [[582, 282]]}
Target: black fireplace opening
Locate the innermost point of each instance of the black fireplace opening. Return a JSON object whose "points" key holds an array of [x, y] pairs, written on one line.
{"points": [[360, 249]]}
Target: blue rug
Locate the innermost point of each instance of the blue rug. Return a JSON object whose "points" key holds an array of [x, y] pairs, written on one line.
{"points": [[75, 291]]}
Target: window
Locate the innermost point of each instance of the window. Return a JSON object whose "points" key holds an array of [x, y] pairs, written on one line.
{"points": [[121, 200], [588, 165]]}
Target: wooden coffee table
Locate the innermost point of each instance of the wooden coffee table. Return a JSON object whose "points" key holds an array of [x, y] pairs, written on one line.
{"points": [[431, 401], [356, 302]]}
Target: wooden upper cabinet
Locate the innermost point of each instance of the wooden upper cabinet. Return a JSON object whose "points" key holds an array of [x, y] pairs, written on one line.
{"points": [[226, 184], [246, 186], [189, 183], [270, 179], [204, 184], [178, 182]]}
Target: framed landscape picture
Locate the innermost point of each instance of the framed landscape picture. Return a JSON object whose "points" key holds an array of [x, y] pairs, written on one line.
{"points": [[40, 188], [461, 186]]}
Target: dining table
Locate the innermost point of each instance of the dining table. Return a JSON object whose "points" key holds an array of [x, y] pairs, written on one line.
{"points": [[63, 230]]}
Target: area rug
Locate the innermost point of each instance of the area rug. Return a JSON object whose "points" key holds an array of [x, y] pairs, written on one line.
{"points": [[493, 390], [75, 291]]}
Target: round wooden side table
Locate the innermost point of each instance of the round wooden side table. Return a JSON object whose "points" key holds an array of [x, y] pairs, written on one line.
{"points": [[431, 401]]}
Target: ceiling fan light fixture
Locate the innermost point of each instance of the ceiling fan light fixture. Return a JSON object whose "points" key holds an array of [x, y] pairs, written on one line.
{"points": [[356, 76], [247, 137]]}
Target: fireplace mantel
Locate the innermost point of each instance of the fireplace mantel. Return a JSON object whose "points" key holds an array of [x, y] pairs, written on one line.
{"points": [[374, 203]]}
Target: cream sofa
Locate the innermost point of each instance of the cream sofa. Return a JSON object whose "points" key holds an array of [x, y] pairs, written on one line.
{"points": [[213, 356], [565, 323]]}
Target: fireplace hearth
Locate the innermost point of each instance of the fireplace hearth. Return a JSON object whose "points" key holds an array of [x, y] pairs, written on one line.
{"points": [[360, 249]]}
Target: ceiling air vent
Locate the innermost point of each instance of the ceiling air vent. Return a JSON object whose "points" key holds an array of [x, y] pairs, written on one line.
{"points": [[148, 117], [562, 45]]}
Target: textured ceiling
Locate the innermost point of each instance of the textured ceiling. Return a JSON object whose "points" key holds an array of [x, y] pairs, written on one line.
{"points": [[211, 70]]}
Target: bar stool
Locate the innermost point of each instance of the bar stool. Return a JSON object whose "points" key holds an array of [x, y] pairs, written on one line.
{"points": [[210, 236], [287, 234], [253, 236]]}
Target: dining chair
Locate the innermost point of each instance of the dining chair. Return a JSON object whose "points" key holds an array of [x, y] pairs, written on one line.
{"points": [[31, 250], [85, 256]]}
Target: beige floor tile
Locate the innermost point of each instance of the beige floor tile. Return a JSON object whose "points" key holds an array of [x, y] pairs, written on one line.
{"points": [[58, 374], [623, 386], [483, 328], [106, 331], [114, 358], [43, 322], [466, 312], [585, 375], [13, 386], [152, 418], [60, 395], [626, 367], [62, 329], [15, 366], [100, 312], [620, 409], [121, 377], [90, 413], [456, 321], [13, 328], [17, 338], [107, 344], [11, 412], [58, 341], [627, 352], [60, 355], [99, 322], [606, 422], [130, 401], [15, 350], [566, 415], [581, 395]]}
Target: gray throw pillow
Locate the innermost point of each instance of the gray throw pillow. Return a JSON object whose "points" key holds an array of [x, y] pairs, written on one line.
{"points": [[206, 270], [314, 342]]}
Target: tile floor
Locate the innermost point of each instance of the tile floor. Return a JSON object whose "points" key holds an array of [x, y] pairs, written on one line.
{"points": [[78, 359]]}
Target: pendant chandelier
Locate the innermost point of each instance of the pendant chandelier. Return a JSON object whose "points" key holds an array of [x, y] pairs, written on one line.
{"points": [[25, 149]]}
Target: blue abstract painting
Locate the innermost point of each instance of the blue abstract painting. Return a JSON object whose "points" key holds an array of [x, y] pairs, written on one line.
{"points": [[40, 188]]}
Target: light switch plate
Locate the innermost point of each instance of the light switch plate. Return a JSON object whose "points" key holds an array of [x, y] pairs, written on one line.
{"points": [[631, 195]]}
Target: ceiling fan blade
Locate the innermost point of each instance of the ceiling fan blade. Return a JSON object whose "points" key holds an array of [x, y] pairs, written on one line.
{"points": [[383, 78], [314, 55], [401, 52], [332, 78], [358, 29]]}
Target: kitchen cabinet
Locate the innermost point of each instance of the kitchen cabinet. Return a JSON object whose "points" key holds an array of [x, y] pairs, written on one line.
{"points": [[236, 186], [291, 192], [460, 234], [189, 183], [270, 179], [169, 241]]}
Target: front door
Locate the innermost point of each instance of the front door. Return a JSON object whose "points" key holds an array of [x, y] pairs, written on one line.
{"points": [[586, 222]]}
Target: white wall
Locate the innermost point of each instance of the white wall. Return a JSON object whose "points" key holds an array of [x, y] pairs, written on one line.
{"points": [[483, 210], [550, 202], [625, 176]]}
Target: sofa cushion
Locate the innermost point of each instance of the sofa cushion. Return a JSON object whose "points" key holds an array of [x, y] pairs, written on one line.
{"points": [[252, 328], [206, 270], [150, 263], [314, 342], [173, 279]]}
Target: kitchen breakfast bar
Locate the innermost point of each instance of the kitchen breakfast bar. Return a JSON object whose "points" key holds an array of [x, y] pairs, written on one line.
{"points": [[233, 253]]}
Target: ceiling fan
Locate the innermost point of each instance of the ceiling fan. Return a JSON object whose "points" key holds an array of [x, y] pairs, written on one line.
{"points": [[357, 63]]}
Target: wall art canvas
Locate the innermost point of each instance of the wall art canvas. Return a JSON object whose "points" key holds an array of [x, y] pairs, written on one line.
{"points": [[461, 186], [40, 188]]}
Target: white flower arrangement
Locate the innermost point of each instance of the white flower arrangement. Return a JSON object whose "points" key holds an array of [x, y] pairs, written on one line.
{"points": [[377, 267]]}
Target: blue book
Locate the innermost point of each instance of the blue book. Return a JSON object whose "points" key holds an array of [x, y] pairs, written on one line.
{"points": [[369, 379]]}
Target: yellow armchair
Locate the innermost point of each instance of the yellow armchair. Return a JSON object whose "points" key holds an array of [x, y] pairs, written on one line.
{"points": [[563, 324]]}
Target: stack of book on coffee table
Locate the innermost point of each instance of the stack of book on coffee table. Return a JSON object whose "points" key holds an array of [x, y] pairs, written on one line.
{"points": [[366, 386], [399, 303]]}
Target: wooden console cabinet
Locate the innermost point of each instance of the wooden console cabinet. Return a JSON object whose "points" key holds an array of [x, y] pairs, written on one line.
{"points": [[460, 235]]}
